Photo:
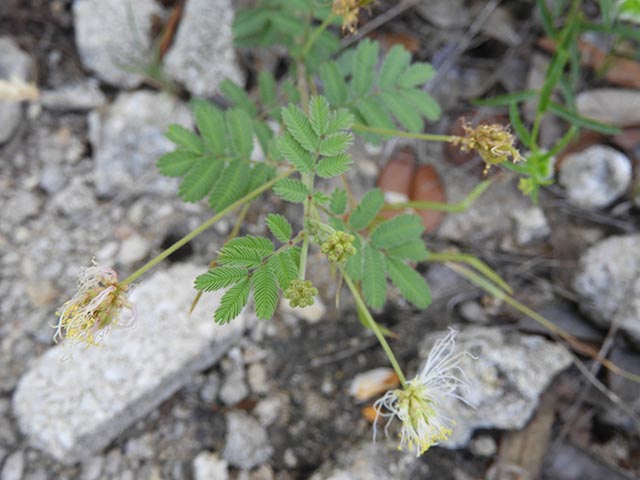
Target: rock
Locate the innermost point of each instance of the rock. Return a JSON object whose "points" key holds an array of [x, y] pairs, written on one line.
{"points": [[133, 250], [21, 206], [257, 377], [112, 35], [610, 105], [508, 377], [210, 389], [483, 446], [234, 389], [609, 280], [13, 467], [445, 14], [75, 400], [76, 97], [247, 444], [473, 312], [52, 179], [202, 53], [208, 466], [595, 177], [92, 468], [312, 314], [568, 462], [530, 224], [14, 64], [268, 410], [140, 448], [128, 138], [373, 461]]}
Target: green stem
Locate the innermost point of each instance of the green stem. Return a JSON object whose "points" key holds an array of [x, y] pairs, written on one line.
{"points": [[474, 262], [194, 233], [307, 179], [374, 327], [430, 137], [316, 33], [440, 206]]}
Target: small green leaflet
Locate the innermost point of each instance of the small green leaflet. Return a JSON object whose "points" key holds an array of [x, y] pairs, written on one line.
{"points": [[291, 190], [414, 251], [338, 203], [200, 179], [233, 301], [292, 151], [374, 281], [279, 227], [265, 292], [210, 122], [185, 138], [410, 283], [219, 277], [367, 209], [300, 128], [248, 251], [285, 267], [177, 163], [319, 114], [397, 231], [331, 166]]}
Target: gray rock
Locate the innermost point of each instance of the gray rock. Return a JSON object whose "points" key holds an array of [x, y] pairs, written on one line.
{"points": [[128, 138], [75, 97], [508, 377], [595, 177], [112, 35], [257, 377], [247, 444], [202, 53], [445, 13], [133, 249], [21, 206], [14, 63], [530, 225], [52, 179], [473, 312], [75, 400], [610, 105], [234, 388], [208, 466], [373, 461], [13, 467], [483, 446], [609, 280], [210, 389], [92, 468], [268, 410]]}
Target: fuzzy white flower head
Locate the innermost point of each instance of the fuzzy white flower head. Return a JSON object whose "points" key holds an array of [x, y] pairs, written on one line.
{"points": [[419, 405], [95, 307]]}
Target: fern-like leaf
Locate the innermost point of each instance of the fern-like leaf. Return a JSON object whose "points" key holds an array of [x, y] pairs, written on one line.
{"points": [[238, 96], [240, 128], [200, 179], [367, 209], [331, 166], [355, 262], [298, 156], [231, 185], [411, 284], [291, 190], [279, 227], [265, 292], [177, 163], [397, 231], [319, 114], [299, 126], [210, 122], [285, 267], [365, 60], [247, 251], [341, 119], [414, 251], [233, 301], [335, 88], [374, 282], [185, 138], [396, 61], [416, 74], [335, 144], [338, 202], [267, 88], [219, 277]]}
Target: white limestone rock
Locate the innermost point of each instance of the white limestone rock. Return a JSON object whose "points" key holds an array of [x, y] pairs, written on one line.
{"points": [[202, 54], [75, 400]]}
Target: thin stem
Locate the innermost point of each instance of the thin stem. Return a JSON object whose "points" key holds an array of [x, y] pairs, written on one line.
{"points": [[472, 261], [374, 327], [441, 206], [316, 34], [194, 233], [307, 179], [430, 137]]}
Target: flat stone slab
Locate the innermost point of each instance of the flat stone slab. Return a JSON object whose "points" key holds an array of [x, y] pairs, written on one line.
{"points": [[512, 370], [74, 400]]}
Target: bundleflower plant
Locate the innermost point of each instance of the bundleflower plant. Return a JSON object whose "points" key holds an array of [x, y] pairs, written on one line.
{"points": [[95, 308], [419, 403]]}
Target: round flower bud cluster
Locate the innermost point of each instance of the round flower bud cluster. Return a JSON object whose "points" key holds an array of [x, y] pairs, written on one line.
{"points": [[338, 247], [300, 293]]}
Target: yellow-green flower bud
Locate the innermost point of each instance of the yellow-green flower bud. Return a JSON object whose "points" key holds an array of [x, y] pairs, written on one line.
{"points": [[300, 293], [338, 247]]}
